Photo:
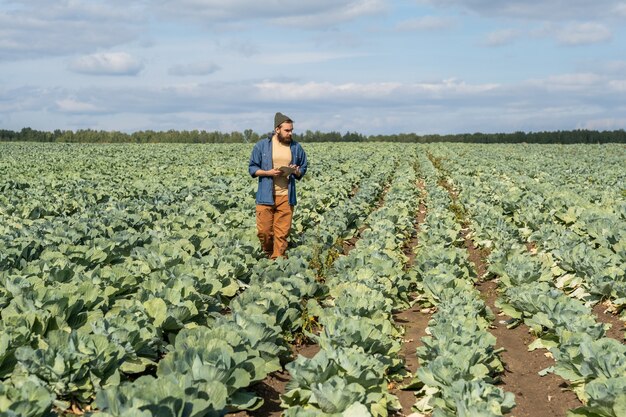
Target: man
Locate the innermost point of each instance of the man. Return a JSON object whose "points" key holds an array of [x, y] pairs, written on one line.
{"points": [[277, 161]]}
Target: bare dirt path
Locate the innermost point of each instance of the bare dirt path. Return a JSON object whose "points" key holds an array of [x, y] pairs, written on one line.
{"points": [[618, 327], [535, 396], [271, 388], [413, 320]]}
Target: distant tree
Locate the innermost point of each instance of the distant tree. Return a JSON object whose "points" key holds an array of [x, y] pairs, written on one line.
{"points": [[247, 135]]}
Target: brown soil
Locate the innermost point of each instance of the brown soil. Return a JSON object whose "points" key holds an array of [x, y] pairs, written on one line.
{"points": [[476, 255], [269, 389], [308, 350], [414, 323], [454, 194], [348, 245], [531, 247], [535, 396], [354, 190], [409, 247], [617, 326], [413, 320], [274, 385], [381, 199]]}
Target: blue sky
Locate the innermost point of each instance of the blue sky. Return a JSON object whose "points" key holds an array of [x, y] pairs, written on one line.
{"points": [[372, 66]]}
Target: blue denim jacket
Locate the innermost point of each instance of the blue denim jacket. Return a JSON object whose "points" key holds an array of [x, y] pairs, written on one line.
{"points": [[261, 158]]}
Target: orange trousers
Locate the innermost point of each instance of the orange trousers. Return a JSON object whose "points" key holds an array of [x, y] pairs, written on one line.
{"points": [[273, 224]]}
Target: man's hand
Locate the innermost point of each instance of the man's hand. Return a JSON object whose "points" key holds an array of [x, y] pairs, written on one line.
{"points": [[297, 168]]}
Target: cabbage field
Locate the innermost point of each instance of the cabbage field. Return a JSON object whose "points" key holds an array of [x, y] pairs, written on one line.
{"points": [[132, 283]]}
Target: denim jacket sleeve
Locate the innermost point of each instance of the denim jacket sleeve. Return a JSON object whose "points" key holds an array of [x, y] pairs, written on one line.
{"points": [[299, 158], [255, 159], [261, 158]]}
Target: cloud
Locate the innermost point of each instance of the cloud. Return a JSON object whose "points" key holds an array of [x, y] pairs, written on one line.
{"points": [[574, 33], [37, 28], [575, 82], [542, 10], [618, 85], [295, 58], [620, 9], [502, 37], [195, 68], [425, 23], [561, 101], [615, 66], [364, 93], [246, 49], [306, 13], [335, 38], [107, 63], [569, 22], [583, 34], [69, 105], [604, 124]]}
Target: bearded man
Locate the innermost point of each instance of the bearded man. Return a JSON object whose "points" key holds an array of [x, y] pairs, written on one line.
{"points": [[278, 161]]}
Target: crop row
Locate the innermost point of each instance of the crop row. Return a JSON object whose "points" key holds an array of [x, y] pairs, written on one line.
{"points": [[594, 365], [359, 341], [459, 363], [585, 232]]}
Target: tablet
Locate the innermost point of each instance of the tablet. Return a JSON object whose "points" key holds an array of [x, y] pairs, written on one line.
{"points": [[287, 170]]}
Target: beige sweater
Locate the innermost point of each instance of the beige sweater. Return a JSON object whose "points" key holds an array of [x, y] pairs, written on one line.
{"points": [[281, 156]]}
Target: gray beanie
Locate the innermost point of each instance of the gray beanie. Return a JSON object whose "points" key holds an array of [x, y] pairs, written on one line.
{"points": [[280, 118]]}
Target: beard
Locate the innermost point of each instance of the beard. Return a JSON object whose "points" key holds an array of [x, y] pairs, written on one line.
{"points": [[283, 138]]}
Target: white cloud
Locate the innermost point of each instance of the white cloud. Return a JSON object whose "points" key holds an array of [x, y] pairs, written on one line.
{"points": [[620, 9], [502, 37], [368, 94], [425, 23], [69, 105], [575, 82], [107, 63], [569, 22], [542, 10], [618, 85], [615, 66], [37, 28], [246, 49], [583, 34], [604, 124], [294, 58], [308, 13], [195, 68]]}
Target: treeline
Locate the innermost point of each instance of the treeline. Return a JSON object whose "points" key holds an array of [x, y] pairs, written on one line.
{"points": [[248, 136]]}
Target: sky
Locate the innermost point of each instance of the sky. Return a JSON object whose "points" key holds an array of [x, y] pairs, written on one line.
{"points": [[367, 66]]}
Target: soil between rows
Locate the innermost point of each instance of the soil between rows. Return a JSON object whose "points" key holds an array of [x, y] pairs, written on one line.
{"points": [[274, 385], [413, 320], [414, 323], [535, 396], [618, 327]]}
